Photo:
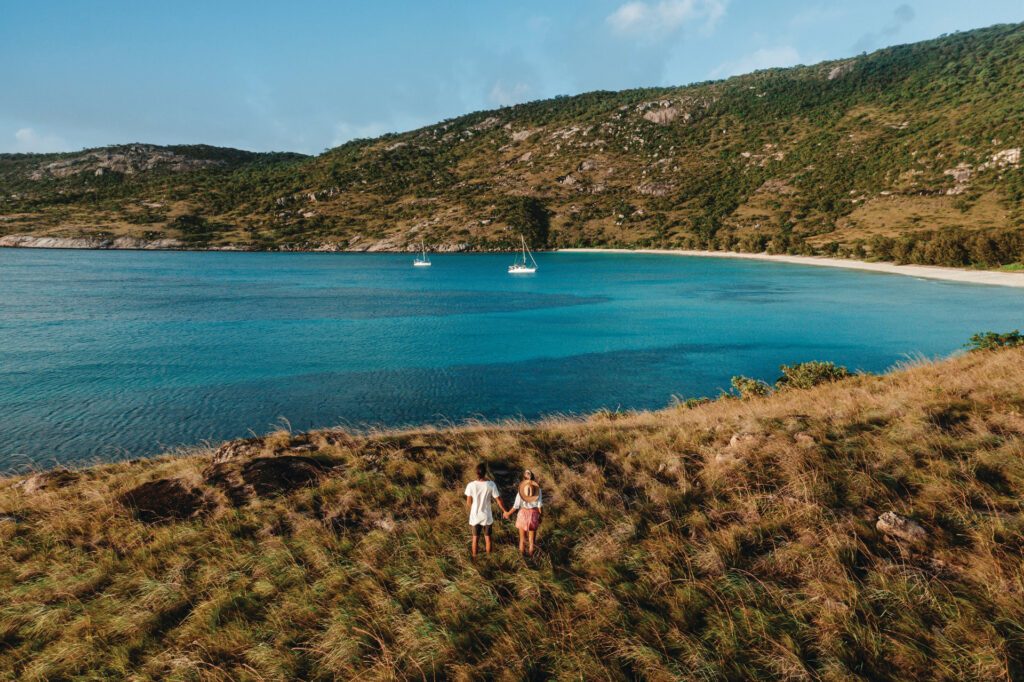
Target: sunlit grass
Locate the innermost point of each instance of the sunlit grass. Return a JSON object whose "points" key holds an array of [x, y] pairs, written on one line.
{"points": [[667, 553]]}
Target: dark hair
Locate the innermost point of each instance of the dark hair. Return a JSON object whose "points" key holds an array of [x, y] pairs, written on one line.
{"points": [[481, 470]]}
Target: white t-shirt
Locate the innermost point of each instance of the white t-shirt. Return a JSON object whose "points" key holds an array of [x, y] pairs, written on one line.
{"points": [[482, 493]]}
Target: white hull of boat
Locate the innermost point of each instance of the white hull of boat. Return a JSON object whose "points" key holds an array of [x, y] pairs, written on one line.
{"points": [[422, 261], [527, 266]]}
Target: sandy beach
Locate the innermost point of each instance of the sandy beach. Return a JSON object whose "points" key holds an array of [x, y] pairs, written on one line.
{"points": [[989, 277]]}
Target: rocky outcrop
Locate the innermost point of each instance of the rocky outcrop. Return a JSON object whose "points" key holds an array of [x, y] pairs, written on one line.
{"points": [[663, 116], [964, 172], [522, 135], [450, 248], [1003, 159], [655, 189], [127, 160], [961, 175], [238, 449], [25, 241], [486, 124], [840, 70], [901, 528]]}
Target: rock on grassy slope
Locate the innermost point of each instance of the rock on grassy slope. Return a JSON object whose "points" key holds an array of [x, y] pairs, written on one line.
{"points": [[911, 153], [865, 529]]}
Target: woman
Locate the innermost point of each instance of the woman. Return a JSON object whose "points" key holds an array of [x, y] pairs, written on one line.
{"points": [[529, 503]]}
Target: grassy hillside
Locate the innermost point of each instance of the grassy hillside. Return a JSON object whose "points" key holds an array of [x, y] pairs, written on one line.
{"points": [[870, 528], [911, 153]]}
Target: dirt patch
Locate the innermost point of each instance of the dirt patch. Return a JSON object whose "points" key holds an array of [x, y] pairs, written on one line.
{"points": [[263, 476], [165, 500], [275, 475]]}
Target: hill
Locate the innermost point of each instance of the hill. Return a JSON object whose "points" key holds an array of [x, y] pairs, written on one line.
{"points": [[911, 153], [867, 528]]}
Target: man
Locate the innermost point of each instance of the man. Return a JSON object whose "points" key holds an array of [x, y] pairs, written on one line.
{"points": [[479, 494]]}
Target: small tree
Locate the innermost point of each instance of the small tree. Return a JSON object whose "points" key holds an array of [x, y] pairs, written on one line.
{"points": [[528, 216], [995, 340], [807, 374], [194, 228]]}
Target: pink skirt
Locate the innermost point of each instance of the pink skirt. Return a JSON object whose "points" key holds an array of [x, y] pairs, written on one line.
{"points": [[528, 519]]}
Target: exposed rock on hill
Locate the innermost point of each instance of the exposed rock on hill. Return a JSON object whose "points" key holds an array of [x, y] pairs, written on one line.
{"points": [[30, 242], [127, 159], [901, 528]]}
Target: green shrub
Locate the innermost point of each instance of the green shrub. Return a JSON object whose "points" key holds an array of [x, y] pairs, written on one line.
{"points": [[750, 388], [808, 374], [689, 403], [994, 340]]}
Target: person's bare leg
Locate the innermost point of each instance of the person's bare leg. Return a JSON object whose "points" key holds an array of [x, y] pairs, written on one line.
{"points": [[487, 544], [474, 545], [522, 541], [533, 536]]}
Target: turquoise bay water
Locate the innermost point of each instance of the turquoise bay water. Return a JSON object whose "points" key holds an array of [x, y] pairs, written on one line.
{"points": [[105, 355]]}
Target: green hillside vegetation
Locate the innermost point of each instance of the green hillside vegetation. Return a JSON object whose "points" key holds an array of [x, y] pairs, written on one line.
{"points": [[841, 528], [911, 153]]}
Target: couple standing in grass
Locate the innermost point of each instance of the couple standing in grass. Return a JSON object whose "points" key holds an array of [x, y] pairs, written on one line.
{"points": [[483, 491]]}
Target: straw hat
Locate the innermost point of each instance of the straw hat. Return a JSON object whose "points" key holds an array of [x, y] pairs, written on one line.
{"points": [[529, 491]]}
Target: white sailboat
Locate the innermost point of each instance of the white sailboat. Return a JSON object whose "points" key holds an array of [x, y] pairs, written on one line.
{"points": [[524, 266], [422, 261]]}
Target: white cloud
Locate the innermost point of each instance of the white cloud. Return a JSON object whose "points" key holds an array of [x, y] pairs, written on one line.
{"points": [[655, 21], [765, 58], [503, 94], [29, 140]]}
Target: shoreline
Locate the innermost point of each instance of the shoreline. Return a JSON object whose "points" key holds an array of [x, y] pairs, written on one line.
{"points": [[935, 272], [984, 277]]}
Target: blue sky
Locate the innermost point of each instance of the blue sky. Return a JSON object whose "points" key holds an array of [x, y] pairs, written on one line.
{"points": [[304, 76]]}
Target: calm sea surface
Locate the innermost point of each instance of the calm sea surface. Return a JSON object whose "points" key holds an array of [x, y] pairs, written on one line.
{"points": [[105, 355]]}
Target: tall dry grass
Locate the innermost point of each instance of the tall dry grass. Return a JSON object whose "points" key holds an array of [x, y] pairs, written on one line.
{"points": [[732, 540]]}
